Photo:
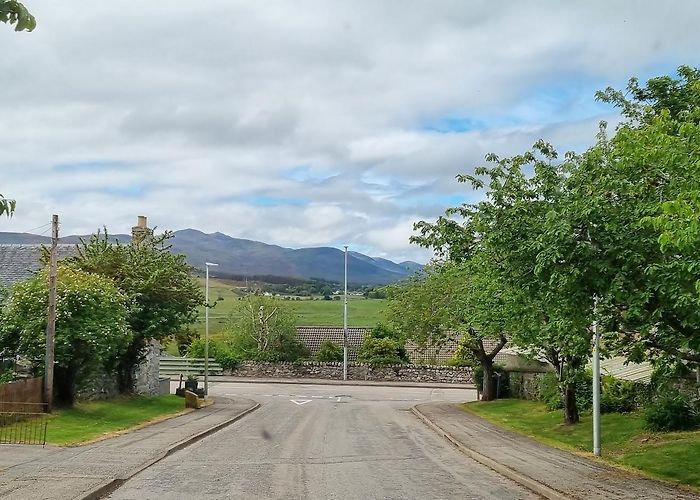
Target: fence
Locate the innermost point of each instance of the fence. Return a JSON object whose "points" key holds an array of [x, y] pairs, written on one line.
{"points": [[23, 423], [23, 417]]}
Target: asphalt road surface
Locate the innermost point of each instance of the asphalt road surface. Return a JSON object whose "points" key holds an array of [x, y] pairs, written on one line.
{"points": [[323, 442]]}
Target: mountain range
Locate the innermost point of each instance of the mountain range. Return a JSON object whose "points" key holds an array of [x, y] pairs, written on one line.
{"points": [[237, 256]]}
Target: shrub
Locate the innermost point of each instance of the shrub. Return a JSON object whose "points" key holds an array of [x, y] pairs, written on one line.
{"points": [[329, 352], [222, 354], [617, 396], [7, 376], [382, 351], [549, 393], [671, 412]]}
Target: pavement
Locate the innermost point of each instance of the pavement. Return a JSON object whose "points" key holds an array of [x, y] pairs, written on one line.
{"points": [[93, 470], [549, 472]]}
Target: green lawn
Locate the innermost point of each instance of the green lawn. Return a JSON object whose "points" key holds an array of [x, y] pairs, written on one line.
{"points": [[673, 456], [91, 420]]}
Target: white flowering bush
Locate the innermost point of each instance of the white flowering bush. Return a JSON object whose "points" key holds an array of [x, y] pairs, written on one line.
{"points": [[91, 327]]}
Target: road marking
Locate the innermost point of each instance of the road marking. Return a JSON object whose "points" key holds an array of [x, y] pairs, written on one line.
{"points": [[300, 401]]}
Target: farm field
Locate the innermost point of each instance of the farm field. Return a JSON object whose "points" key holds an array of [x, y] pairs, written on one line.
{"points": [[361, 311]]}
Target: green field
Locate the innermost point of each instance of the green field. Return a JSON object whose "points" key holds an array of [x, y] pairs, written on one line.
{"points": [[361, 311], [673, 456]]}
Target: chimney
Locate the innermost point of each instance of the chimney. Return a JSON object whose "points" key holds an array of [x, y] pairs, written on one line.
{"points": [[140, 231]]}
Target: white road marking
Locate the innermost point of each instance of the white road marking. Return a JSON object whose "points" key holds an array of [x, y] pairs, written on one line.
{"points": [[300, 401]]}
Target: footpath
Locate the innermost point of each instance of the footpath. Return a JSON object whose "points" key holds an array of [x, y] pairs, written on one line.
{"points": [[93, 470], [550, 472]]}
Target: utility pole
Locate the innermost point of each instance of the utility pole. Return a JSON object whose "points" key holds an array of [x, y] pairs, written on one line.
{"points": [[596, 380], [51, 322], [345, 320]]}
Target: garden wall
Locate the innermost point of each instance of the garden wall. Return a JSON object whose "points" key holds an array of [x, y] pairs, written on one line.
{"points": [[334, 371]]}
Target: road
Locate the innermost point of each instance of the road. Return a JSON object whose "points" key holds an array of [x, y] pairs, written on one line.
{"points": [[323, 442]]}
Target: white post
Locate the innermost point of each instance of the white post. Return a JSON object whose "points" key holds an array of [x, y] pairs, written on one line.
{"points": [[345, 320], [206, 330], [596, 381]]}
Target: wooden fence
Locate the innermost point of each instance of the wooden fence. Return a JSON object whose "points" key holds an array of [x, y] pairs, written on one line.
{"points": [[14, 395]]}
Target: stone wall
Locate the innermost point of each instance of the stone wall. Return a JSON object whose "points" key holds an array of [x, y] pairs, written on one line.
{"points": [[334, 371], [147, 375]]}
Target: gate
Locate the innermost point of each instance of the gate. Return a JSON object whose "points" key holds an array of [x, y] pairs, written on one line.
{"points": [[23, 423]]}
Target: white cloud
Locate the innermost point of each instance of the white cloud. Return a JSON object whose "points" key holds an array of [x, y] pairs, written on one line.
{"points": [[194, 111]]}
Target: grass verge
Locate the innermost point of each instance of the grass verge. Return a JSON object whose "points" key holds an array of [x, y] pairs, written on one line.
{"points": [[90, 421], [673, 456]]}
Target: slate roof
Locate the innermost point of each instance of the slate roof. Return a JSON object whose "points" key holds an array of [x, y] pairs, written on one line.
{"points": [[21, 262]]}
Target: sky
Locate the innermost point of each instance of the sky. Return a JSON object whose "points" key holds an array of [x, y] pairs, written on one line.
{"points": [[304, 123]]}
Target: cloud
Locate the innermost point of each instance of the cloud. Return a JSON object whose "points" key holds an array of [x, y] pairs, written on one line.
{"points": [[303, 123]]}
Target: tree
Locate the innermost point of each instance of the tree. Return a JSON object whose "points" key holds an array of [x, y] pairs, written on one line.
{"points": [[91, 326], [383, 346], [13, 12], [162, 293], [7, 207], [265, 331], [646, 196], [516, 234]]}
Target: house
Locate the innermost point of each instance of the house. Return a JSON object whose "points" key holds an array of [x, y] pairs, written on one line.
{"points": [[21, 262]]}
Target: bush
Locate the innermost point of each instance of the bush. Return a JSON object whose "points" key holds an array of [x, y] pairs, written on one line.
{"points": [[671, 412], [549, 393], [329, 352], [222, 354], [7, 376], [617, 396], [382, 351]]}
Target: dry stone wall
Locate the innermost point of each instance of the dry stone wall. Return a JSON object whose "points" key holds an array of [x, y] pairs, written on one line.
{"points": [[356, 371]]}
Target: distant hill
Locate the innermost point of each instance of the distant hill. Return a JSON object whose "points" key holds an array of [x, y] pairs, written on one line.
{"points": [[250, 258]]}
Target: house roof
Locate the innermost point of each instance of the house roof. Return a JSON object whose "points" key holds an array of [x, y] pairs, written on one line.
{"points": [[21, 262], [618, 367]]}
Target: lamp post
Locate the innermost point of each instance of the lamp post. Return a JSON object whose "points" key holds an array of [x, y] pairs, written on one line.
{"points": [[345, 320], [596, 380], [206, 330]]}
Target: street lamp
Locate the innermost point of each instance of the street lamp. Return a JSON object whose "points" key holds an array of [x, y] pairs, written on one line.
{"points": [[206, 330], [596, 379], [345, 320]]}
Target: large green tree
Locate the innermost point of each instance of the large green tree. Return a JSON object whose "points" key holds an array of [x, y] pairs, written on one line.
{"points": [[641, 201], [14, 12], [536, 276], [91, 327], [162, 292]]}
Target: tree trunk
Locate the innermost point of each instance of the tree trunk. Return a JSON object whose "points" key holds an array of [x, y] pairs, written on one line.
{"points": [[64, 386], [570, 410], [489, 384]]}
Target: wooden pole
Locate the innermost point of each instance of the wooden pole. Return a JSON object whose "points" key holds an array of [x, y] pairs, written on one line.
{"points": [[51, 322]]}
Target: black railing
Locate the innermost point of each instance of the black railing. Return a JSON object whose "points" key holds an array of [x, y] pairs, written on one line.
{"points": [[23, 423]]}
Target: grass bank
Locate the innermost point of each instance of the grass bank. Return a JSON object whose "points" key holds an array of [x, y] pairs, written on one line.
{"points": [[91, 420], [673, 456]]}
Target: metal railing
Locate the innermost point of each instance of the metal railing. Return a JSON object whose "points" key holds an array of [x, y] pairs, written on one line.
{"points": [[23, 423]]}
